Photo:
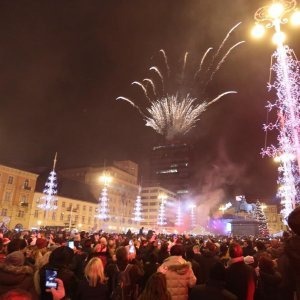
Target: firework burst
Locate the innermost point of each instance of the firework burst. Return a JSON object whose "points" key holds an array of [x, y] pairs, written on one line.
{"points": [[173, 113]]}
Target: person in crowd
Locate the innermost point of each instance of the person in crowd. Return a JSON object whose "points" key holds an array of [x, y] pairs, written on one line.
{"points": [[94, 286], [275, 249], [189, 255], [60, 259], [179, 274], [16, 294], [163, 252], [124, 275], [214, 289], [208, 258], [16, 244], [261, 250], [156, 288], [248, 249], [150, 267], [240, 278], [269, 280], [289, 262], [224, 254], [15, 275]]}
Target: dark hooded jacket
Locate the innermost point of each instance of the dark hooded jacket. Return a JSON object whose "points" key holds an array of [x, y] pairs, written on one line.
{"points": [[289, 265], [16, 277], [179, 275]]}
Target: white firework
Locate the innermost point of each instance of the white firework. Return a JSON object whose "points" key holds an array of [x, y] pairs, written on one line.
{"points": [[174, 114]]}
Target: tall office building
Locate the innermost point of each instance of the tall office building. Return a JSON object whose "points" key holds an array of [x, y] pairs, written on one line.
{"points": [[171, 167]]}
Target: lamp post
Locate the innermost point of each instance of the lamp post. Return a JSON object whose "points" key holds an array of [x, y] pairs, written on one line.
{"points": [[287, 86]]}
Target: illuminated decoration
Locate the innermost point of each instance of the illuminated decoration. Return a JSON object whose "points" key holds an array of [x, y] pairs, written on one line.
{"points": [[161, 219], [103, 209], [137, 211], [193, 216], [178, 221], [169, 111], [285, 67], [262, 220], [225, 206], [49, 201]]}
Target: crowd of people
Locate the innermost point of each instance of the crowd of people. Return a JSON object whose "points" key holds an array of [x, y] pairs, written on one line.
{"points": [[149, 266]]}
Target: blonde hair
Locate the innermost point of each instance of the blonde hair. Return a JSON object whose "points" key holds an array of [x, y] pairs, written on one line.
{"points": [[94, 272]]}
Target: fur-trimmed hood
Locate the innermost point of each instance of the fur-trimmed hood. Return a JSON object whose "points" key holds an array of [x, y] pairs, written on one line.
{"points": [[16, 270], [176, 264]]}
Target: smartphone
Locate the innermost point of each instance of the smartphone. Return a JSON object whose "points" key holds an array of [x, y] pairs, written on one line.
{"points": [[130, 243], [158, 242], [51, 275], [71, 244], [131, 249]]}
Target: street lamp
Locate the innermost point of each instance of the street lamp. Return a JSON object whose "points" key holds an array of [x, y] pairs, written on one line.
{"points": [[285, 66]]}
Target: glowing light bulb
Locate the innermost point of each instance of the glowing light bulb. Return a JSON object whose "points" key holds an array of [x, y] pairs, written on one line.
{"points": [[295, 18], [258, 31], [277, 159], [276, 10], [278, 38]]}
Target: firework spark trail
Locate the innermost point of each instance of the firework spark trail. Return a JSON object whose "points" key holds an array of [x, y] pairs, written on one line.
{"points": [[143, 88], [166, 60], [221, 47], [202, 61], [223, 60], [152, 84], [226, 38], [184, 65], [156, 70], [220, 96], [132, 103]]}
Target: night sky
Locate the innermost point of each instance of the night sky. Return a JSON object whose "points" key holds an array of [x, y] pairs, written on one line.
{"points": [[63, 63]]}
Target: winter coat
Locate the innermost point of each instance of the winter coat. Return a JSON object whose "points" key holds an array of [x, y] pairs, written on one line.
{"points": [[179, 275], [16, 277], [86, 292], [213, 290], [240, 279], [289, 266], [206, 261], [269, 284]]}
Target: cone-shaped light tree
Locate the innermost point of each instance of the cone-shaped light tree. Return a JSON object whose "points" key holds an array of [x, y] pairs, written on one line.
{"points": [[49, 201], [137, 211], [261, 218], [103, 209]]}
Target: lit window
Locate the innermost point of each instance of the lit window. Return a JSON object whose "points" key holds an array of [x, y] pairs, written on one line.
{"points": [[20, 214], [53, 216], [4, 212], [36, 214]]}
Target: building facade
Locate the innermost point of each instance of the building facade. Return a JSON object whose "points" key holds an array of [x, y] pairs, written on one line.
{"points": [[70, 214], [151, 198], [274, 219], [16, 196], [171, 167], [122, 191]]}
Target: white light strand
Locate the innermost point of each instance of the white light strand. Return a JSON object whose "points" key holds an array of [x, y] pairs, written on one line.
{"points": [[103, 209], [137, 211], [48, 201], [178, 221], [286, 84], [161, 214]]}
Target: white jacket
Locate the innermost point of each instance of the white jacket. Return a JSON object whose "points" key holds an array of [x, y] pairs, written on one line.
{"points": [[180, 276]]}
